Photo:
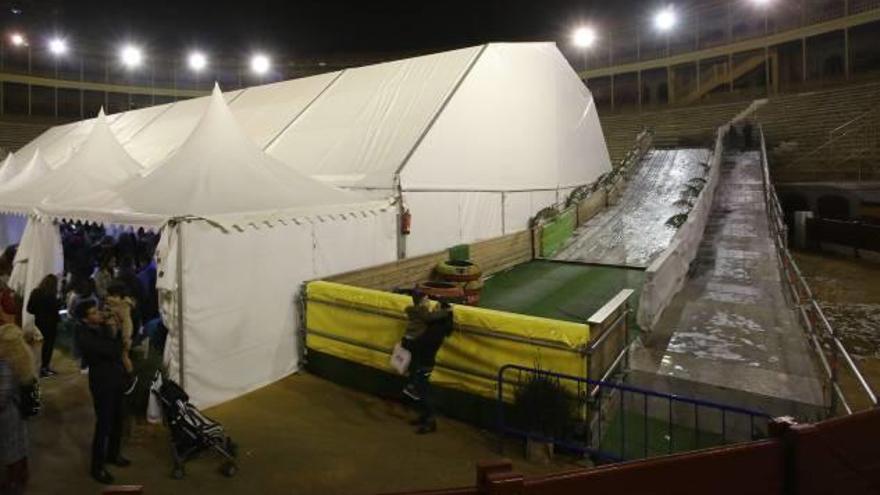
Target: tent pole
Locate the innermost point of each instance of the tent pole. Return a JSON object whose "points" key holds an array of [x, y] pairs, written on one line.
{"points": [[180, 302]]}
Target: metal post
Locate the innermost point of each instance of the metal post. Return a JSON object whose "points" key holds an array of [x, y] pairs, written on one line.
{"points": [[846, 68], [730, 70], [767, 69], [180, 344], [612, 92], [106, 81], [639, 72], [56, 87], [29, 86], [82, 93], [804, 60], [670, 89]]}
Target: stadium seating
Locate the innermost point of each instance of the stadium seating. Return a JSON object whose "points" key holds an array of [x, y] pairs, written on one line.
{"points": [[797, 128], [674, 127]]}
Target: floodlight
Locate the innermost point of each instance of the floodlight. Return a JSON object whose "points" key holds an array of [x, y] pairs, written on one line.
{"points": [[197, 61], [260, 64], [583, 37], [131, 56], [761, 3], [665, 19], [17, 39], [57, 46]]}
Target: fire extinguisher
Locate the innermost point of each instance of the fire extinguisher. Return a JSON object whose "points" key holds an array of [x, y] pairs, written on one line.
{"points": [[405, 222]]}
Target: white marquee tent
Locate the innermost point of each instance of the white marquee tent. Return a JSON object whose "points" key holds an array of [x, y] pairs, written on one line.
{"points": [[245, 185], [240, 233]]}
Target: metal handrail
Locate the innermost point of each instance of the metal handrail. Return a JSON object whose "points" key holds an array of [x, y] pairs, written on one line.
{"points": [[807, 302], [611, 388], [841, 133]]}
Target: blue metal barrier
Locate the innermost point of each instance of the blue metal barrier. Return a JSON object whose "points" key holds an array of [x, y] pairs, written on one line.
{"points": [[603, 414]]}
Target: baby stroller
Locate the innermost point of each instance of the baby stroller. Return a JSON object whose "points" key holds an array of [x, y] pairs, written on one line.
{"points": [[191, 431]]}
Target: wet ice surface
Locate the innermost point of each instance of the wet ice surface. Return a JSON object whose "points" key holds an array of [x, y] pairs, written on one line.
{"points": [[634, 232], [858, 326], [732, 325]]}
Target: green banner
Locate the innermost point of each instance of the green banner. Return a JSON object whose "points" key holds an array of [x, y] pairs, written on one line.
{"points": [[556, 232]]}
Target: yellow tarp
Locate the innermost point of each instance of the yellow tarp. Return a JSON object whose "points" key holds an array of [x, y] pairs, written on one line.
{"points": [[362, 325]]}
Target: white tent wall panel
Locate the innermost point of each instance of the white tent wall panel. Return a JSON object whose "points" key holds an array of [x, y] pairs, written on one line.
{"points": [[444, 219], [517, 211], [240, 314], [520, 120], [361, 129], [265, 111], [358, 241], [39, 254], [169, 130], [480, 216], [541, 200], [435, 221]]}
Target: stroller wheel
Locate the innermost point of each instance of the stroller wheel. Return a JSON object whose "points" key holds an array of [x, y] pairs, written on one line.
{"points": [[229, 469], [177, 473], [231, 447]]}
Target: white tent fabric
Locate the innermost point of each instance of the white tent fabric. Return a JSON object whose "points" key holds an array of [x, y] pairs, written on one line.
{"points": [[264, 112], [477, 139], [39, 254], [11, 168], [128, 124], [218, 173], [360, 130], [99, 162], [254, 230], [33, 170], [161, 136], [521, 120]]}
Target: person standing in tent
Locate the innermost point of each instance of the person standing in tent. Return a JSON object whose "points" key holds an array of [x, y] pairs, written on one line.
{"points": [[101, 346], [44, 304], [426, 329], [104, 275]]}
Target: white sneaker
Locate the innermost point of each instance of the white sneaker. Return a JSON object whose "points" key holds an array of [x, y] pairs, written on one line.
{"points": [[83, 371]]}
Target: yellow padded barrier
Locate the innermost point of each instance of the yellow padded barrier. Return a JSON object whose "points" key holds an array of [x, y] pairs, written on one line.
{"points": [[362, 325]]}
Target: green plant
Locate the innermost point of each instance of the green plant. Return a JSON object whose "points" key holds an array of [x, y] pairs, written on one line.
{"points": [[542, 406], [545, 214], [676, 221]]}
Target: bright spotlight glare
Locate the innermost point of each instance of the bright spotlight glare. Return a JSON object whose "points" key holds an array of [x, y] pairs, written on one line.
{"points": [[665, 19], [260, 64], [197, 61], [761, 3], [584, 37], [17, 39], [58, 46], [131, 56]]}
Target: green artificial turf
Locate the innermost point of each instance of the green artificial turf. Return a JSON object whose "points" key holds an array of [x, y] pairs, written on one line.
{"points": [[662, 437], [563, 291]]}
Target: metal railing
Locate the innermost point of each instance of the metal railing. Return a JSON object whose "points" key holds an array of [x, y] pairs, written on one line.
{"points": [[824, 340], [857, 140], [612, 421]]}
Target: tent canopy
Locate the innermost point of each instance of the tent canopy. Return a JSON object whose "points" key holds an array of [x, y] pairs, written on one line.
{"points": [[217, 173], [97, 163]]}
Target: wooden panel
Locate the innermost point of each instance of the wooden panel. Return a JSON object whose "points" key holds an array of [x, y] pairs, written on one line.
{"points": [[492, 255], [589, 207]]}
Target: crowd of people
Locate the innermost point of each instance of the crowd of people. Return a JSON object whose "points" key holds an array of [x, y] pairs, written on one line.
{"points": [[108, 293], [107, 300]]}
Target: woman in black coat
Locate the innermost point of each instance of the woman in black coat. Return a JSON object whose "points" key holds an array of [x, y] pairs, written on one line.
{"points": [[44, 305]]}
